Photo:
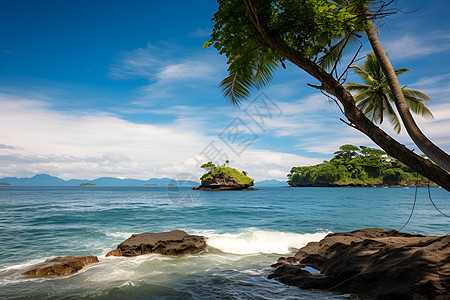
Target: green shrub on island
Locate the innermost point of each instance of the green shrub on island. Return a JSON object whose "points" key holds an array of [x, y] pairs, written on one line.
{"points": [[353, 165], [214, 170]]}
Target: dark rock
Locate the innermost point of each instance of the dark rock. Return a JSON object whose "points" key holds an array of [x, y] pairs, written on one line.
{"points": [[175, 242], [374, 263], [222, 182], [61, 266]]}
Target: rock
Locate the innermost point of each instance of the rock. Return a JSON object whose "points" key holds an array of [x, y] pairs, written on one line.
{"points": [[115, 252], [61, 266], [224, 182], [373, 263], [176, 242]]}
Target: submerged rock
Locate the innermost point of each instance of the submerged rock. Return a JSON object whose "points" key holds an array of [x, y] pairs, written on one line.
{"points": [[222, 181], [374, 263], [176, 242], [61, 266]]}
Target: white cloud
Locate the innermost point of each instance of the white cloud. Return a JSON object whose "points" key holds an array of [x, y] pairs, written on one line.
{"points": [[138, 63], [167, 74], [409, 46], [90, 144], [186, 71]]}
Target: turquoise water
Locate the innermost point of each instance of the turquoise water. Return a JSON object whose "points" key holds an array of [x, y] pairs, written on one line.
{"points": [[247, 231]]}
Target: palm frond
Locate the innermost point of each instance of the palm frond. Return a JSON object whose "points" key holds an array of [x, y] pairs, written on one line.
{"points": [[244, 76], [393, 118], [418, 107], [401, 71], [263, 71], [416, 94], [365, 76], [356, 87], [236, 86], [375, 98]]}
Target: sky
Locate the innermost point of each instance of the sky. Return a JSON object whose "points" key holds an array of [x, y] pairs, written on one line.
{"points": [[125, 89]]}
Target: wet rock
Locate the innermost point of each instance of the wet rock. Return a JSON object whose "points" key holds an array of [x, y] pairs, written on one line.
{"points": [[373, 263], [61, 266], [176, 242], [115, 252]]}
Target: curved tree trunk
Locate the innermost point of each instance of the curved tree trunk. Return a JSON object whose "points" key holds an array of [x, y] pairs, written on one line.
{"points": [[354, 115], [435, 153]]}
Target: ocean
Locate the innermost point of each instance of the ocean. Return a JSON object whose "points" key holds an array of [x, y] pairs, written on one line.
{"points": [[246, 231]]}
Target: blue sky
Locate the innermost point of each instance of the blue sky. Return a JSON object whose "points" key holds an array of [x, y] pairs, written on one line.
{"points": [[125, 89]]}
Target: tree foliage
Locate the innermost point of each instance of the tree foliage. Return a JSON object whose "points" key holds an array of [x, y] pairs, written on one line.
{"points": [[375, 99], [318, 29], [209, 166], [355, 165], [240, 177]]}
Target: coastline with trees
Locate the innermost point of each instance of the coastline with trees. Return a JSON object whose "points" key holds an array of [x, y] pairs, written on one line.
{"points": [[354, 166]]}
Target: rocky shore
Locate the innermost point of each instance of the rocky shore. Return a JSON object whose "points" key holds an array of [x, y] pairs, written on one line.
{"points": [[372, 263], [176, 243], [369, 263]]}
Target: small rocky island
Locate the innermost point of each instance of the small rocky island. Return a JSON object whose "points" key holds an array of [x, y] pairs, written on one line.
{"points": [[87, 184], [5, 184], [221, 178]]}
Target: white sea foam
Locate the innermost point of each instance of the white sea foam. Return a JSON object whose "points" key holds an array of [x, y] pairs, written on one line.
{"points": [[260, 241], [117, 234], [24, 265]]}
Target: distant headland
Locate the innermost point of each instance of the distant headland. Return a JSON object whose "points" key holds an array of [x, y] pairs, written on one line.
{"points": [[357, 167]]}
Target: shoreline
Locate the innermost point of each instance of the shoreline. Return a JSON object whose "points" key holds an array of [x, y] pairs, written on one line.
{"points": [[363, 185], [373, 263]]}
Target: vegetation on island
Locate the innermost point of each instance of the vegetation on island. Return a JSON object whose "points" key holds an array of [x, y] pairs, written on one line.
{"points": [[214, 170], [258, 37], [87, 184], [353, 165], [4, 184]]}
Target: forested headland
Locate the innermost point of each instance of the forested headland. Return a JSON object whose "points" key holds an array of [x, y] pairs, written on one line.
{"points": [[356, 166]]}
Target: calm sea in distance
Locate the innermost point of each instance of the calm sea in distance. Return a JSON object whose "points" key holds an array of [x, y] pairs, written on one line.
{"points": [[246, 231]]}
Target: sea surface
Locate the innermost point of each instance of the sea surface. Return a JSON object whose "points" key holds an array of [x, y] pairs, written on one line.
{"points": [[247, 231]]}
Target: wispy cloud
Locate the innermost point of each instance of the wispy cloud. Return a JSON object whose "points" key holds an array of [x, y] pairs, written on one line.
{"points": [[411, 46], [201, 33], [2, 146], [166, 73], [138, 63]]}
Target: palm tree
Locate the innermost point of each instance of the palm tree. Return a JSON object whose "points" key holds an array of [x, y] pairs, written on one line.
{"points": [[374, 98], [436, 154]]}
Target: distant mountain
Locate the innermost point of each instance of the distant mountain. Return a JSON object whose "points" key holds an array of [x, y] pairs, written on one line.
{"points": [[47, 180], [270, 183], [36, 180]]}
